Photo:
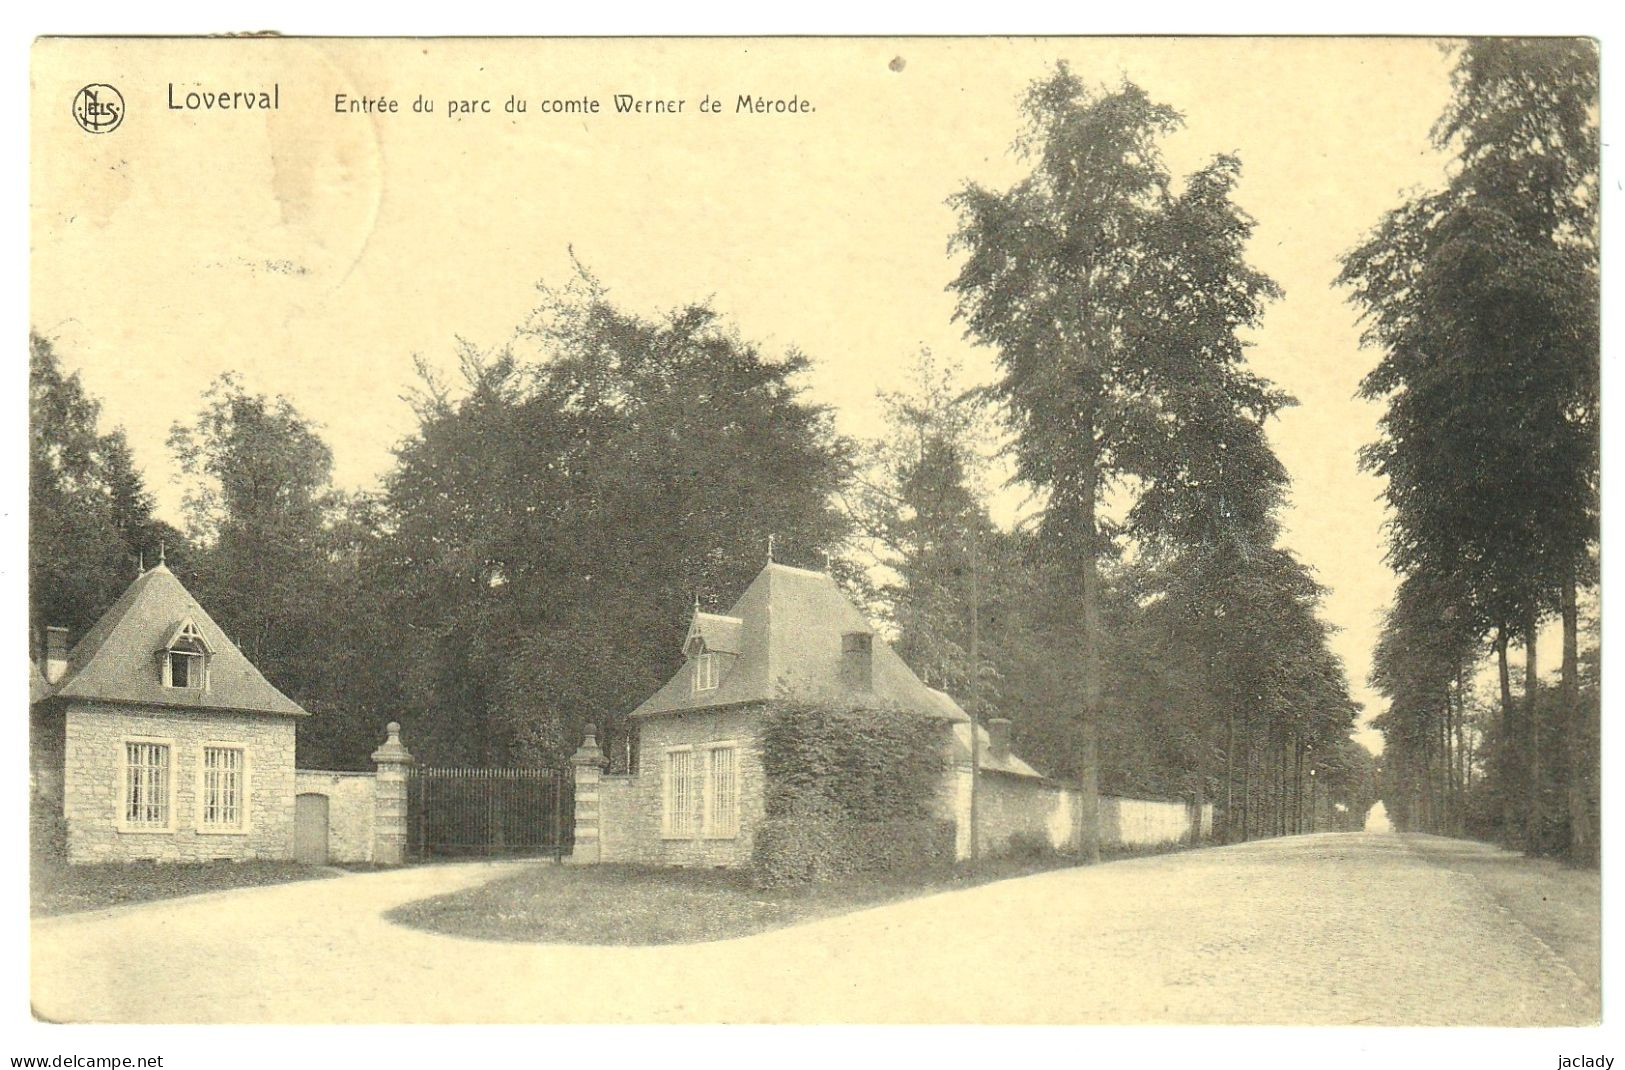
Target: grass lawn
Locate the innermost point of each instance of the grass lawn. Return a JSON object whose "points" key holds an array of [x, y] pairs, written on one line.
{"points": [[58, 888], [622, 904]]}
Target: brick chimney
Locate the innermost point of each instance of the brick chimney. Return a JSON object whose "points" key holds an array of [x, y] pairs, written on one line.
{"points": [[998, 735], [56, 654], [857, 661]]}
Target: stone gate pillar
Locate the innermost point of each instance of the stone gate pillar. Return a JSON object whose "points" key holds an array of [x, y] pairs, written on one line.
{"points": [[389, 799], [589, 763]]}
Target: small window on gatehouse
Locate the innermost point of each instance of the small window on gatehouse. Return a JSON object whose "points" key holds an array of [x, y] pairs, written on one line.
{"points": [[186, 659], [705, 671]]}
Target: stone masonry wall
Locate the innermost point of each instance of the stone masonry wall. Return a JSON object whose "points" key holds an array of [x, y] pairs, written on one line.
{"points": [[93, 766], [619, 828], [349, 810], [953, 801], [1022, 808], [631, 805], [1037, 810], [1147, 822]]}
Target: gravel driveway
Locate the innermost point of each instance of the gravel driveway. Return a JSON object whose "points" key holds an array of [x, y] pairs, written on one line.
{"points": [[1323, 929]]}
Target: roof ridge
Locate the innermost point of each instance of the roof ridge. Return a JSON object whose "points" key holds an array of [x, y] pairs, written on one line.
{"points": [[792, 620], [117, 658], [802, 571]]}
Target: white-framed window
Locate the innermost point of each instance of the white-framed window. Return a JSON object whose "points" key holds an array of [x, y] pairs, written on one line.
{"points": [[186, 659], [705, 671], [222, 788], [722, 792], [681, 814], [701, 791], [147, 785]]}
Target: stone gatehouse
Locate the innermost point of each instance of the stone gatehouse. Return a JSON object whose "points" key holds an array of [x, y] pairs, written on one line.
{"points": [[154, 737]]}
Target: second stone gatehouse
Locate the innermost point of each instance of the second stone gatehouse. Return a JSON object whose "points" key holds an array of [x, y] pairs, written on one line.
{"points": [[696, 797]]}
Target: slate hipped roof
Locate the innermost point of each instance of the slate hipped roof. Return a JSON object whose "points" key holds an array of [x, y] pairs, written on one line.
{"points": [[720, 634], [788, 635], [117, 660]]}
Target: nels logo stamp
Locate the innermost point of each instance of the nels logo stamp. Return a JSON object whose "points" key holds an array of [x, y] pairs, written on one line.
{"points": [[98, 108]]}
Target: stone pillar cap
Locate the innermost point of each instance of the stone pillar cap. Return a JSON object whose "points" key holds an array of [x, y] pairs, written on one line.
{"points": [[589, 753], [393, 751]]}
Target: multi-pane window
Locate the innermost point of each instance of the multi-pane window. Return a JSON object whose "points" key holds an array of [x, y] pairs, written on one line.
{"points": [[221, 792], [722, 794], [682, 794], [705, 672], [702, 792], [146, 784]]}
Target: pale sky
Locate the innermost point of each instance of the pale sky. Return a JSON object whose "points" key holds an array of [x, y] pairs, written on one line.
{"points": [[316, 253]]}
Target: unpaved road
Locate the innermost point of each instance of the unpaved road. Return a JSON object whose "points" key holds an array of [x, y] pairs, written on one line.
{"points": [[1322, 929]]}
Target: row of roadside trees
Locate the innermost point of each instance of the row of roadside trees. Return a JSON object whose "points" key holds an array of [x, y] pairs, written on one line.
{"points": [[528, 564], [1482, 299]]}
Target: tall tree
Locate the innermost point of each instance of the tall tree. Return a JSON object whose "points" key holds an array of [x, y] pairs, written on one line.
{"points": [[1420, 664], [90, 516], [1105, 296], [552, 523], [280, 563], [920, 506], [1483, 299]]}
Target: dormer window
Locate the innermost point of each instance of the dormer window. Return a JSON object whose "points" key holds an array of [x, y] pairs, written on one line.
{"points": [[711, 638], [185, 669], [186, 658], [705, 671]]}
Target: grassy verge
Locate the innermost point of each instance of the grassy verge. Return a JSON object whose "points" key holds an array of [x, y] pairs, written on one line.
{"points": [[1560, 904], [621, 904], [57, 888]]}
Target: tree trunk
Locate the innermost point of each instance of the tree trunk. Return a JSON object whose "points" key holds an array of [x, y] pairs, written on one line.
{"points": [[1574, 731], [1286, 783], [1269, 784], [1089, 781], [1230, 777], [975, 706], [1277, 754], [1508, 750], [1297, 786], [1447, 766], [1246, 782], [1531, 698], [1463, 761]]}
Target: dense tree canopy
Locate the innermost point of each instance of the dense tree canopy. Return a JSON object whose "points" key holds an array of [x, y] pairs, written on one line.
{"points": [[1117, 304], [283, 563], [89, 512], [551, 527], [920, 509], [1483, 300]]}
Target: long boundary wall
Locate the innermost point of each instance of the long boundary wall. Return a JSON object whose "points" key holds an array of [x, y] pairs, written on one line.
{"points": [[1018, 813]]}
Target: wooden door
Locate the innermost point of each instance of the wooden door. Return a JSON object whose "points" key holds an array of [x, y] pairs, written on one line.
{"points": [[310, 829]]}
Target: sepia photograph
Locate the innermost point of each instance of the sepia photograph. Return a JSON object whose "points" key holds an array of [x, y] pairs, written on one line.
{"points": [[807, 531]]}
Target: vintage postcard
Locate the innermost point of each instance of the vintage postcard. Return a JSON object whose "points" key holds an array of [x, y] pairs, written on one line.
{"points": [[1065, 531]]}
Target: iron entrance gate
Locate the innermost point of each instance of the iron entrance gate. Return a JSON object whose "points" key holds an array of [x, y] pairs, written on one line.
{"points": [[462, 811]]}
